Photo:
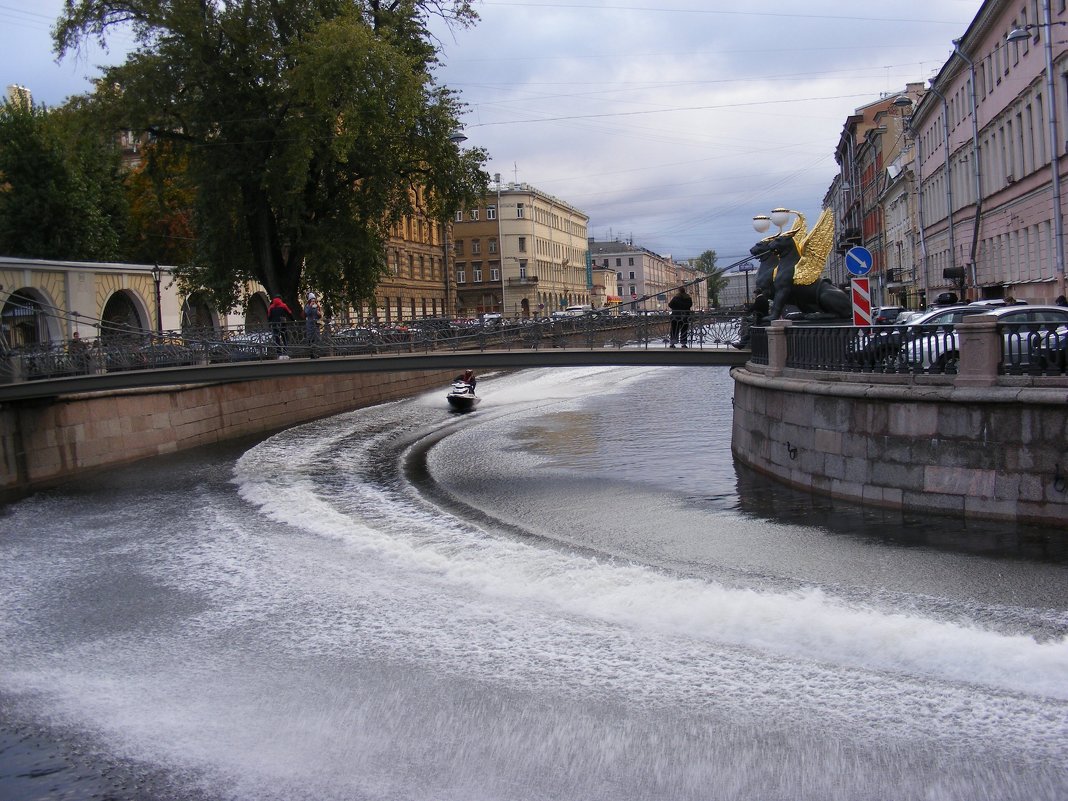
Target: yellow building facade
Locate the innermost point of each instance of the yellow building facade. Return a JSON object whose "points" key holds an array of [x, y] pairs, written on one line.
{"points": [[522, 253]]}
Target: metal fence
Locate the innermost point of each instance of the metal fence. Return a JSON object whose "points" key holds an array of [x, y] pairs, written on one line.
{"points": [[141, 350], [1026, 349]]}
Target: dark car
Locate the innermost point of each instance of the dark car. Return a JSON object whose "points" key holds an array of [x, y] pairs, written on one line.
{"points": [[886, 315]]}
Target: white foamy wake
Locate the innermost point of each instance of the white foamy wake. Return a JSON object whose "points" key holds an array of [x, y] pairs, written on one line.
{"points": [[807, 625]]}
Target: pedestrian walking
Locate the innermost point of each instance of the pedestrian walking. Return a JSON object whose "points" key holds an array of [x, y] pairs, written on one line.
{"points": [[680, 306]]}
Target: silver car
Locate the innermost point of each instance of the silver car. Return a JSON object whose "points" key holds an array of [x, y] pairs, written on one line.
{"points": [[884, 346], [1029, 334]]}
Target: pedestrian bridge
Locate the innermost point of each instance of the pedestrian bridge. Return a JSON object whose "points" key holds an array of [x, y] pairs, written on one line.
{"points": [[478, 360]]}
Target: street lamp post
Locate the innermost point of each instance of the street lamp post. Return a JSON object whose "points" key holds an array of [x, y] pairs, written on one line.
{"points": [[1054, 162], [457, 138], [157, 276]]}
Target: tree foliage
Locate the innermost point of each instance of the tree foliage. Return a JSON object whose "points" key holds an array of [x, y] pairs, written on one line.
{"points": [[716, 280], [310, 127], [63, 195], [161, 207]]}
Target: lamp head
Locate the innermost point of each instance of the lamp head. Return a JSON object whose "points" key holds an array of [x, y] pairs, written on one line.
{"points": [[780, 216], [761, 223]]}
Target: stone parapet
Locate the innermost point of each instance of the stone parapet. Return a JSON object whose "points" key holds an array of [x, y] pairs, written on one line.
{"points": [[46, 442], [991, 452]]}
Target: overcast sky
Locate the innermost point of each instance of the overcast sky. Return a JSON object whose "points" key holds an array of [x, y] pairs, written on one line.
{"points": [[669, 122]]}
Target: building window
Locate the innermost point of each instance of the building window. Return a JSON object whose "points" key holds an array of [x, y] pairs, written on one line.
{"points": [[619, 262], [495, 274], [491, 212], [476, 274], [619, 276], [519, 211], [631, 276], [459, 216], [461, 276], [632, 290], [522, 244], [476, 247], [474, 215], [523, 269], [458, 249], [492, 245], [630, 261], [619, 290]]}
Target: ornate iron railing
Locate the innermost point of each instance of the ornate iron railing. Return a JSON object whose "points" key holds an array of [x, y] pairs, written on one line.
{"points": [[140, 350], [1026, 349]]}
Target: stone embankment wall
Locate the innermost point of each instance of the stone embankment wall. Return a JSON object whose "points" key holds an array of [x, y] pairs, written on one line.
{"points": [[991, 452], [45, 442]]}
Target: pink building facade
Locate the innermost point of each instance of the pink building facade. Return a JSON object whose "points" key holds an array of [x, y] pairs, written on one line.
{"points": [[986, 133]]}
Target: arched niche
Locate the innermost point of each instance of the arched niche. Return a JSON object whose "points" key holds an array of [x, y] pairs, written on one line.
{"points": [[256, 312], [199, 316], [26, 319], [125, 319]]}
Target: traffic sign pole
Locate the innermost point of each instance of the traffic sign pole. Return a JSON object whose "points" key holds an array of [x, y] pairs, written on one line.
{"points": [[861, 301]]}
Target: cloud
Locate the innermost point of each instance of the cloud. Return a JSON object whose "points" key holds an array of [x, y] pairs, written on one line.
{"points": [[673, 126]]}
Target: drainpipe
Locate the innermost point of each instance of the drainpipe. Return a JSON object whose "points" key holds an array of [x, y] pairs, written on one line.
{"points": [[1055, 161], [975, 156], [949, 178], [917, 160]]}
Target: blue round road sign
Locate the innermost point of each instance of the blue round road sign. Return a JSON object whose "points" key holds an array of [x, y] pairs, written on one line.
{"points": [[858, 260]]}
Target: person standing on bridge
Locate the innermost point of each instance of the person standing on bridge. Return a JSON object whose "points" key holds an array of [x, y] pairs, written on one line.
{"points": [[680, 306], [278, 314], [312, 315], [78, 351]]}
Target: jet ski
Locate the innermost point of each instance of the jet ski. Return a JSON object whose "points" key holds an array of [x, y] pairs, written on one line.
{"points": [[462, 396]]}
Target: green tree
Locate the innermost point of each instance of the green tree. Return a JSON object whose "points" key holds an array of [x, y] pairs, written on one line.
{"points": [[716, 281], [310, 128], [64, 196]]}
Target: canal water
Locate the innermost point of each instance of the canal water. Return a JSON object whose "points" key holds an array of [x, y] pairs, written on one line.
{"points": [[570, 593]]}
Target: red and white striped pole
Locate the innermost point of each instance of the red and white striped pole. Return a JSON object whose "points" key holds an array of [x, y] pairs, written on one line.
{"points": [[861, 301]]}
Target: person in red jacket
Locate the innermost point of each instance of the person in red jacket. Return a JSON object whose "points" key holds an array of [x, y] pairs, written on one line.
{"points": [[278, 313]]}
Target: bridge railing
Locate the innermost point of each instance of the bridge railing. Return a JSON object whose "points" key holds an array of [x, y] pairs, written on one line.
{"points": [[127, 349], [976, 348]]}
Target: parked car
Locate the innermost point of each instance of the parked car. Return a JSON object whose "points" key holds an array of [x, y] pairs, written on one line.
{"points": [[886, 315], [1031, 336], [241, 347], [881, 346]]}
